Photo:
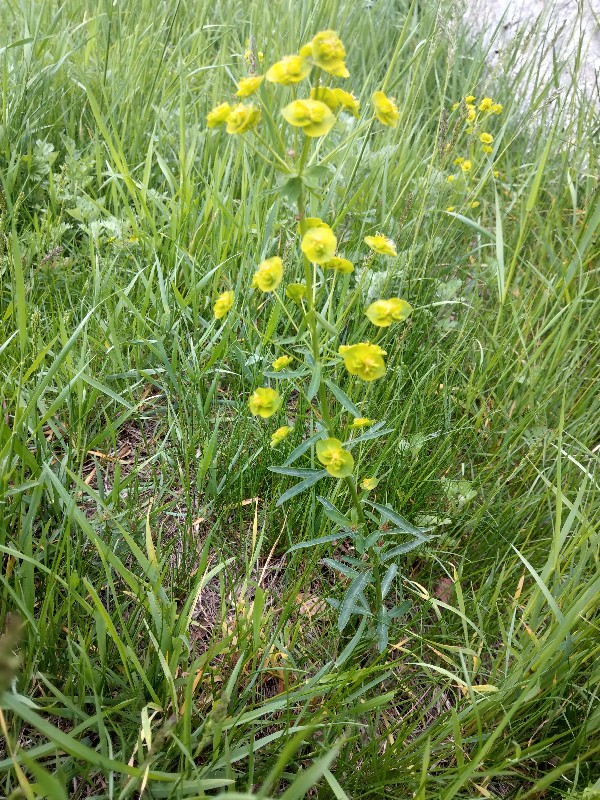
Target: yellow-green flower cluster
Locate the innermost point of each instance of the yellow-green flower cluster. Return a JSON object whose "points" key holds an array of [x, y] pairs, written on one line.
{"points": [[477, 118], [291, 69], [363, 360], [269, 274], [339, 265], [295, 292], [319, 243], [486, 106], [337, 461], [314, 117], [247, 86], [383, 312], [314, 114], [368, 484], [280, 434], [327, 52], [238, 119], [281, 363], [386, 110], [475, 115], [223, 304], [336, 99], [360, 422], [265, 402], [381, 244]]}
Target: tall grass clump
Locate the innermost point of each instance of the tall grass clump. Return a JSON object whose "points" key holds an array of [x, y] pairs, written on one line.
{"points": [[299, 408]]}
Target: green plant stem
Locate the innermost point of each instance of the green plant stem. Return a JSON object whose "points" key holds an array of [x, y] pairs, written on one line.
{"points": [[310, 300], [373, 555], [312, 325]]}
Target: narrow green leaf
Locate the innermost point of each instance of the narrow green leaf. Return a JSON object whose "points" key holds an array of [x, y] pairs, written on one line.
{"points": [[393, 516], [388, 578], [333, 514], [303, 447], [400, 550], [342, 398], [383, 626], [314, 383], [300, 487], [332, 537], [296, 472], [348, 606]]}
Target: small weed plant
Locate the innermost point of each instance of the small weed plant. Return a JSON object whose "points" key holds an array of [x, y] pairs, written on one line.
{"points": [[298, 405], [313, 290]]}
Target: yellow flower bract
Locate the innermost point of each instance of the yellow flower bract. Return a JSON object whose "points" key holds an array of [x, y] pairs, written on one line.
{"points": [[264, 402], [328, 53], [280, 434], [347, 101], [383, 312], [242, 118], [386, 110], [364, 360], [325, 95], [291, 69], [337, 461], [269, 274], [313, 116], [281, 362], [295, 291], [368, 484], [486, 138], [336, 98], [311, 222], [381, 244], [247, 86], [318, 244], [466, 166], [339, 265], [223, 304], [218, 116], [361, 422]]}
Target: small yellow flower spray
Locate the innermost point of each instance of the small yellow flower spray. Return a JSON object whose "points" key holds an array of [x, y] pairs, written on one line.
{"points": [[312, 115]]}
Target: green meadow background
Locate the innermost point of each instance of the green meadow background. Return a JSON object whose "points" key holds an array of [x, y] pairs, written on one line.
{"points": [[168, 646]]}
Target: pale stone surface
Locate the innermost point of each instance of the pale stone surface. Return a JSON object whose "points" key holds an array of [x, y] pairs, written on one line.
{"points": [[555, 29]]}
